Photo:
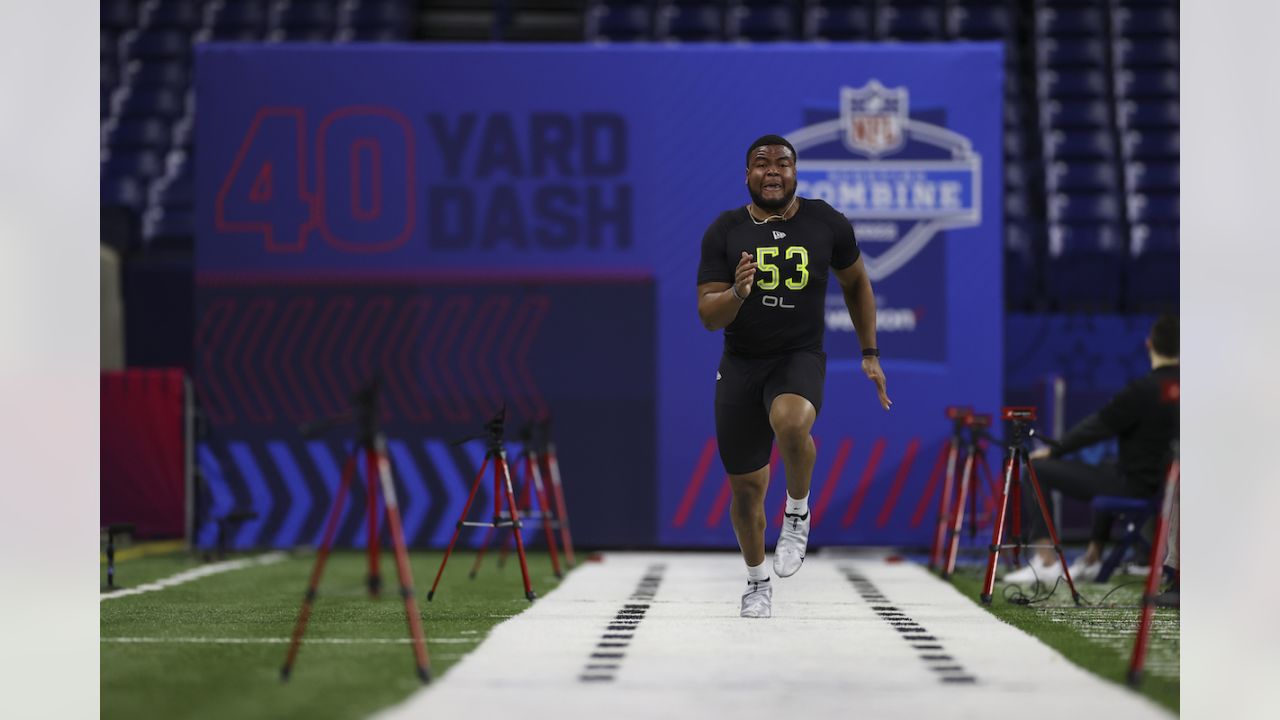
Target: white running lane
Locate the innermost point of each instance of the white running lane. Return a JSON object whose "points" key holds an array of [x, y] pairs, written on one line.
{"points": [[196, 573], [850, 637]]}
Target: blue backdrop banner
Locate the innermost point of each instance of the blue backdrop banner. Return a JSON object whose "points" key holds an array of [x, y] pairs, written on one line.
{"points": [[512, 224]]}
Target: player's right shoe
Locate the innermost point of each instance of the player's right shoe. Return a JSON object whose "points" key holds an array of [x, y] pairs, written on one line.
{"points": [[757, 601], [788, 556]]}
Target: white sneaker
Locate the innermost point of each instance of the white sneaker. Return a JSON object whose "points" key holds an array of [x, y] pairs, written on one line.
{"points": [[788, 556], [1046, 573], [1084, 573], [757, 601]]}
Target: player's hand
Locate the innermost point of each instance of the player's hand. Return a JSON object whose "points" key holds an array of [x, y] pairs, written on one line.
{"points": [[745, 276], [871, 366], [1039, 454]]}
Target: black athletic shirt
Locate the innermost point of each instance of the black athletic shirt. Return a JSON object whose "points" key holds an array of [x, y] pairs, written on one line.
{"points": [[1144, 420], [786, 309]]}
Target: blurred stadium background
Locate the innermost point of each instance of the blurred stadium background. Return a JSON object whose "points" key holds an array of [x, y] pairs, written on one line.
{"points": [[213, 355]]}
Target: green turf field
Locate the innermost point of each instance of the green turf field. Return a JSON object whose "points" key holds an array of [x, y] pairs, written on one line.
{"points": [[212, 648], [1097, 636]]}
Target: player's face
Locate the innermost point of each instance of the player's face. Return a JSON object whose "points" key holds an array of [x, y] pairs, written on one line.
{"points": [[771, 177]]}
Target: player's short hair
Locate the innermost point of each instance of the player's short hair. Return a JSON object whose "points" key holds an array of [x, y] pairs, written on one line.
{"points": [[769, 140], [1164, 336]]}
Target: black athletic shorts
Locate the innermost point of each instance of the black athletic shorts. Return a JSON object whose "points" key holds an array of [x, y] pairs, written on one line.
{"points": [[745, 389]]}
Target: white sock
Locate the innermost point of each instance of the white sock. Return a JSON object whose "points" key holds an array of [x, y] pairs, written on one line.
{"points": [[797, 507], [758, 573]]}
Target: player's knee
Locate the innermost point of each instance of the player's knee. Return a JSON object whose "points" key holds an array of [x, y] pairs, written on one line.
{"points": [[749, 489]]}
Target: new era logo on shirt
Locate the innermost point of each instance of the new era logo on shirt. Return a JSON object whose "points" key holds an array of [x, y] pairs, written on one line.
{"points": [[777, 235]]}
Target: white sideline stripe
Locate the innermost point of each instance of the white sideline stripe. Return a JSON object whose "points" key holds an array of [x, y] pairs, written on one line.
{"points": [[824, 653], [187, 576], [282, 641]]}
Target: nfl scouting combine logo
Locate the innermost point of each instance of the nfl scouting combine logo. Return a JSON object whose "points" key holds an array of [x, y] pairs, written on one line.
{"points": [[899, 180]]}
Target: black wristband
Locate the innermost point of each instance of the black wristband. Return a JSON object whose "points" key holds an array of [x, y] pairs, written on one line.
{"points": [[871, 352]]}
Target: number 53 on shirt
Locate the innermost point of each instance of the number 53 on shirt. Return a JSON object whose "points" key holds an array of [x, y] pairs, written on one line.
{"points": [[797, 282]]}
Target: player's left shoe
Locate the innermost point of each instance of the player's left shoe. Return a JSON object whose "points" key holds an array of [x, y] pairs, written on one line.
{"points": [[788, 556]]}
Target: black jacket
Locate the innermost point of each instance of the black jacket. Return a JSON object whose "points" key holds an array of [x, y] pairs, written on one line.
{"points": [[1145, 419]]}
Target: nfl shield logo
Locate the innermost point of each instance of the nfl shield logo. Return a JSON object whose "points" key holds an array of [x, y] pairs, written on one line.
{"points": [[872, 118]]}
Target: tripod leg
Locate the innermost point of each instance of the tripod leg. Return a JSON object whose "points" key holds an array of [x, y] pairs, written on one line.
{"points": [[957, 522], [997, 532], [371, 546], [944, 505], [1140, 641], [1018, 539], [457, 530], [111, 560], [1053, 532], [484, 545], [403, 571], [500, 467], [330, 529], [548, 517], [552, 469]]}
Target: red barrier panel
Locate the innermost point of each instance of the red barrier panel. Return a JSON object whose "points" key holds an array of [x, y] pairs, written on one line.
{"points": [[143, 451]]}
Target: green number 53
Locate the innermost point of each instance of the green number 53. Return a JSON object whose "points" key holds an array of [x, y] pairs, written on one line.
{"points": [[765, 254]]}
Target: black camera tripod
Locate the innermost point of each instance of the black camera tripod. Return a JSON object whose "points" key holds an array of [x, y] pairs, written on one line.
{"points": [[1016, 456]]}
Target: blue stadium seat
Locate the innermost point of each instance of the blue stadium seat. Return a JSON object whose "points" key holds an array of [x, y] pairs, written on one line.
{"points": [[302, 14], [837, 22], [620, 21], [1075, 113], [1073, 83], [1078, 144], [1077, 208], [108, 45], [1151, 144], [909, 22], [1148, 113], [137, 164], [1145, 21], [300, 33], [1021, 267], [390, 14], [1148, 177], [1154, 209], [1146, 52], [1084, 267], [140, 132], [185, 15], [180, 192], [1152, 269], [121, 191], [154, 101], [118, 14], [1015, 175], [174, 222], [981, 22], [108, 74], [241, 14], [764, 21], [1057, 52], [371, 33], [162, 72], [691, 22], [233, 33], [1090, 177], [1070, 21], [161, 44], [1017, 204], [1147, 83], [1015, 145]]}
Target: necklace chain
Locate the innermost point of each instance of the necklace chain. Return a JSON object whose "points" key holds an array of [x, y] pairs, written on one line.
{"points": [[771, 217]]}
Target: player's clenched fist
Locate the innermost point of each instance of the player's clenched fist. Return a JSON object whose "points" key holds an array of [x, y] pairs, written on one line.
{"points": [[745, 276]]}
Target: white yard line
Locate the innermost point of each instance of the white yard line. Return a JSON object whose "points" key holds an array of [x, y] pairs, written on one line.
{"points": [[187, 576], [658, 635]]}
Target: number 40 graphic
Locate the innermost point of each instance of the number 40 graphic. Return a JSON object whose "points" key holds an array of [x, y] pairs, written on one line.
{"points": [[354, 186]]}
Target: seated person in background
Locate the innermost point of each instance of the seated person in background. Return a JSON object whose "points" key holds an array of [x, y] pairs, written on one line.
{"points": [[1145, 424]]}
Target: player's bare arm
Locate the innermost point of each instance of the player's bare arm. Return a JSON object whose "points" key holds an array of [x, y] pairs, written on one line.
{"points": [[718, 302], [861, 301]]}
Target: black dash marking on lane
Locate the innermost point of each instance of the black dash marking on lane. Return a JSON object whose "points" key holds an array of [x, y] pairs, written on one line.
{"points": [[909, 630], [621, 629]]}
